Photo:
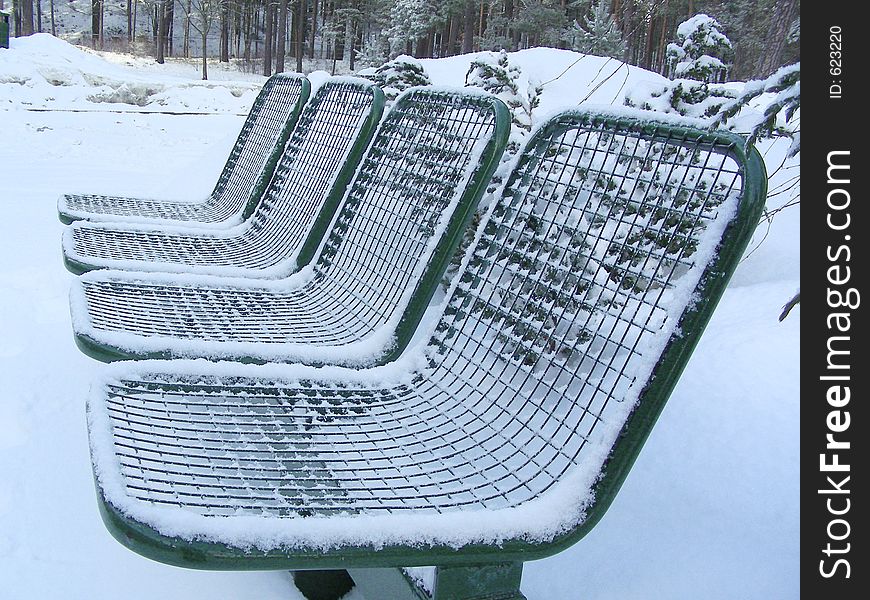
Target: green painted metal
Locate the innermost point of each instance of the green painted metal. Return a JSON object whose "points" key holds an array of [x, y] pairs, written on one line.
{"points": [[308, 251], [479, 582], [463, 582], [428, 283], [275, 155], [459, 564], [449, 242], [390, 583]]}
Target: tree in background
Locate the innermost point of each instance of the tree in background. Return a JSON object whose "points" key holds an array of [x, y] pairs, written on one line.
{"points": [[399, 74], [540, 23], [161, 31], [597, 33], [96, 21], [782, 31], [697, 61], [785, 84], [493, 73], [701, 52], [764, 33], [203, 15]]}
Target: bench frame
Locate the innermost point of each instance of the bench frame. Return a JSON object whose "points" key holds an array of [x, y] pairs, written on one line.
{"points": [[311, 248], [483, 571]]}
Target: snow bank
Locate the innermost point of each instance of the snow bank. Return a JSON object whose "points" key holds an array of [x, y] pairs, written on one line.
{"points": [[42, 71]]}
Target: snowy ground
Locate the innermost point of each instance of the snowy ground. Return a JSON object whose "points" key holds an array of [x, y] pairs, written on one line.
{"points": [[709, 511]]}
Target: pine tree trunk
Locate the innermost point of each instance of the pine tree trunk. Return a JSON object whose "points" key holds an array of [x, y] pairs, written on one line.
{"points": [[225, 32], [783, 16], [282, 35], [648, 49], [663, 40], [26, 17], [267, 40], [170, 21], [249, 17], [161, 31], [468, 27], [348, 41], [300, 33], [96, 11], [53, 26], [185, 43], [204, 54], [452, 36], [39, 16], [481, 29], [314, 7], [629, 34]]}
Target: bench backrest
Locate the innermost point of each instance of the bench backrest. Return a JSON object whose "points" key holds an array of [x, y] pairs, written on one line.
{"points": [[409, 203], [585, 293], [320, 157], [258, 146]]}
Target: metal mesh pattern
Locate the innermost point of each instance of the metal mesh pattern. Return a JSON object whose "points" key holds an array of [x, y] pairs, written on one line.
{"points": [[259, 136], [401, 198], [326, 131], [550, 333]]}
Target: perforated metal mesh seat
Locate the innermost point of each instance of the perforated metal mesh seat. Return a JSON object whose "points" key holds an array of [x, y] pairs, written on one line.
{"points": [[320, 157], [505, 439], [389, 245], [243, 179]]}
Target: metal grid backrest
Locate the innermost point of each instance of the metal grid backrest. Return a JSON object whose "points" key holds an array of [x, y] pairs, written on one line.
{"points": [[340, 114], [260, 141], [575, 288], [426, 160]]}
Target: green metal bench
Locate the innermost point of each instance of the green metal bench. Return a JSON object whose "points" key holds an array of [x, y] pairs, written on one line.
{"points": [[501, 440], [241, 183], [316, 163], [389, 244]]}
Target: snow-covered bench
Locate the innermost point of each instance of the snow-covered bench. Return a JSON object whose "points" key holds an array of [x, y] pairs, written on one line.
{"points": [[501, 440], [390, 242], [241, 183], [315, 165]]}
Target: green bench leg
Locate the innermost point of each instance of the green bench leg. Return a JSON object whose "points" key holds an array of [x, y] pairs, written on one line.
{"points": [[472, 582], [479, 582]]}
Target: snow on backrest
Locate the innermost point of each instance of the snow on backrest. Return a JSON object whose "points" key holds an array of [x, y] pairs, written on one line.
{"points": [[257, 138], [401, 199], [582, 271], [313, 156]]}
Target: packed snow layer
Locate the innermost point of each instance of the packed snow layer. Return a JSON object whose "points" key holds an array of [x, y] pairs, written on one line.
{"points": [[42, 72], [710, 510]]}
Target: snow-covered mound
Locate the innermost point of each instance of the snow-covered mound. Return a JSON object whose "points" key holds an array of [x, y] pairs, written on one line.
{"points": [[568, 77], [42, 71]]}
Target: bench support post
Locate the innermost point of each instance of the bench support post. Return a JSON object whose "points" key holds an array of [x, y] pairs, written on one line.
{"points": [[479, 582], [466, 582]]}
